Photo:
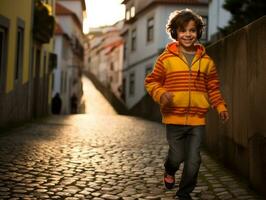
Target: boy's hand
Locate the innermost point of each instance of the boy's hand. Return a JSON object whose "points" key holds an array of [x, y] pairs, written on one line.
{"points": [[166, 99], [224, 116]]}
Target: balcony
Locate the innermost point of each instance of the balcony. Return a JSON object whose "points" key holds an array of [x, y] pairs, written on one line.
{"points": [[44, 23]]}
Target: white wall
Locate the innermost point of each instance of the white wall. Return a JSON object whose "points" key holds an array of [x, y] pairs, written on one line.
{"points": [[69, 63], [66, 23], [140, 91], [143, 49], [218, 17], [57, 71], [75, 7], [70, 27]]}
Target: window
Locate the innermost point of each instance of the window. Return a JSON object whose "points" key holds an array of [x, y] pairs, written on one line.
{"points": [[112, 66], [2, 40], [65, 82], [150, 29], [3, 54], [123, 94], [62, 82], [20, 44], [127, 14], [52, 61], [125, 51], [53, 81], [132, 83], [125, 48], [132, 11], [205, 29], [133, 40], [44, 61]]}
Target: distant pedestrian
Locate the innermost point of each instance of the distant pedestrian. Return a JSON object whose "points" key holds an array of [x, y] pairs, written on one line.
{"points": [[56, 104], [185, 82], [74, 104]]}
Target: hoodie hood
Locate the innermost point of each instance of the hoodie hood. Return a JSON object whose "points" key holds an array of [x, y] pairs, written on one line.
{"points": [[174, 48]]}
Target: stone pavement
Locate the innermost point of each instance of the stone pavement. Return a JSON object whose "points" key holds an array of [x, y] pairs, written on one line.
{"points": [[99, 155]]}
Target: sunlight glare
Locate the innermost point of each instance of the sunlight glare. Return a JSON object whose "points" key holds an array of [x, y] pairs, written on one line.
{"points": [[103, 12]]}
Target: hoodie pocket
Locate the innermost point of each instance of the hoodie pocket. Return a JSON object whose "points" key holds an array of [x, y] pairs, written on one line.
{"points": [[180, 99], [199, 100]]}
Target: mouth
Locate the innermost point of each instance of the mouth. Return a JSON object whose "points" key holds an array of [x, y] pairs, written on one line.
{"points": [[187, 41]]}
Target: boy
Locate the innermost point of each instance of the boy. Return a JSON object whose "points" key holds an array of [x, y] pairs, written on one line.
{"points": [[184, 80]]}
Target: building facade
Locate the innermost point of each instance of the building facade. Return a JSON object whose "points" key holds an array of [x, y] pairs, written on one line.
{"points": [[25, 59], [145, 38], [69, 46], [105, 56], [43, 57]]}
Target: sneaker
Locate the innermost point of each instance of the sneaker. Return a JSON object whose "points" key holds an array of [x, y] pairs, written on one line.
{"points": [[169, 181]]}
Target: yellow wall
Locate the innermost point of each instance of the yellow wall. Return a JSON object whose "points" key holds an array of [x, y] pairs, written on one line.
{"points": [[12, 9]]}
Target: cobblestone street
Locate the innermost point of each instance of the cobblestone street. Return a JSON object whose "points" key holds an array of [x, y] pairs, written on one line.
{"points": [[99, 155]]}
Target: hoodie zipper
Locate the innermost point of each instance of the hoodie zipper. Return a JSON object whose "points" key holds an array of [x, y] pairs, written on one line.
{"points": [[189, 90], [189, 95]]}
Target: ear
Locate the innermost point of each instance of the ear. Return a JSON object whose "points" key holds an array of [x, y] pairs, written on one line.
{"points": [[174, 34], [199, 34]]}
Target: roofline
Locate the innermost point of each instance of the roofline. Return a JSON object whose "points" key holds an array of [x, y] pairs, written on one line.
{"points": [[70, 13], [82, 3], [125, 1], [64, 35]]}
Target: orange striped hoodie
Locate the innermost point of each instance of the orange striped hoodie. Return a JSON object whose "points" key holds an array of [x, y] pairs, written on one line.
{"points": [[194, 88]]}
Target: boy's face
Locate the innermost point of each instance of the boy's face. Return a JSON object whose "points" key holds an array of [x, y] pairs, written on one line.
{"points": [[187, 36]]}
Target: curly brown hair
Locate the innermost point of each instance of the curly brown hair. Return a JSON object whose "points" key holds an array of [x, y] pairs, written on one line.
{"points": [[180, 18]]}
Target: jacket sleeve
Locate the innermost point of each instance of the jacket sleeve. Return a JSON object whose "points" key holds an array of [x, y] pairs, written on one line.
{"points": [[154, 81], [213, 88]]}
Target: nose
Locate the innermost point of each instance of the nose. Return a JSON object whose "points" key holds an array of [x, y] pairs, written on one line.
{"points": [[187, 33]]}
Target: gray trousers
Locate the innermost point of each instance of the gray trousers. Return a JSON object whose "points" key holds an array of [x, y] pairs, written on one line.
{"points": [[184, 146]]}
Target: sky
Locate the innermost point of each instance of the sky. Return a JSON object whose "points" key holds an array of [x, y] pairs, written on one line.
{"points": [[102, 12]]}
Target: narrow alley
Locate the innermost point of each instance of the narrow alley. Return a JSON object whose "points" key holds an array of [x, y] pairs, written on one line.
{"points": [[99, 155]]}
